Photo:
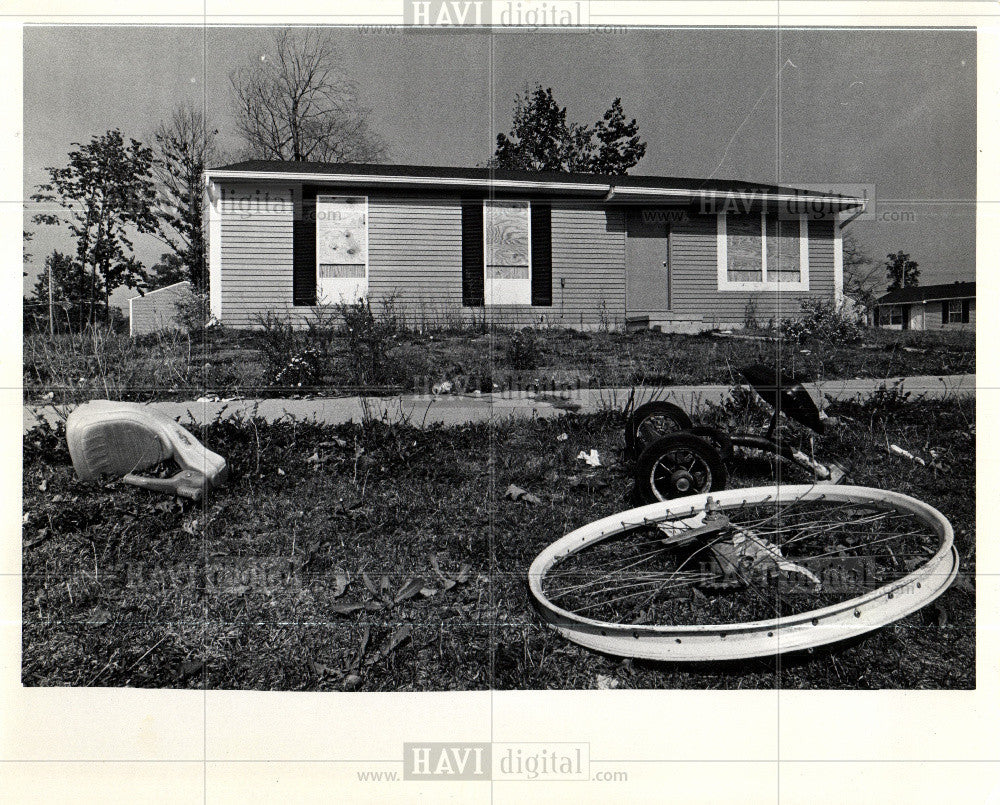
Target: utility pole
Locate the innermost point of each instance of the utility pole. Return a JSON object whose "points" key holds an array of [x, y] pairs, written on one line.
{"points": [[52, 326]]}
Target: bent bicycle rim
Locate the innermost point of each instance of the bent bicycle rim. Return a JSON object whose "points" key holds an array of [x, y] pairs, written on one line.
{"points": [[616, 586]]}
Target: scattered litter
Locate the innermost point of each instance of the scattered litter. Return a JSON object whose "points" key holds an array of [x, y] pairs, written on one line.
{"points": [[895, 449], [562, 437], [516, 493], [443, 387], [605, 682], [121, 439], [589, 482], [214, 398], [351, 682], [342, 581], [592, 458]]}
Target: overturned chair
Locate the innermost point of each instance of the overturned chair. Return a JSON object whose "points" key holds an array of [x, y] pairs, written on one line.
{"points": [[121, 439]]}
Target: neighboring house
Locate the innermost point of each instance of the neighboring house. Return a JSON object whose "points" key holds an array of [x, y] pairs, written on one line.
{"points": [[517, 248], [928, 307], [156, 310]]}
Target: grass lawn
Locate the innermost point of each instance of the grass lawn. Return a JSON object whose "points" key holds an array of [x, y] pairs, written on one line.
{"points": [[275, 361], [387, 558]]}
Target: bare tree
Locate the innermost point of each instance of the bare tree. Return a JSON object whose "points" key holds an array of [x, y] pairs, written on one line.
{"points": [[298, 104], [861, 275], [185, 146]]}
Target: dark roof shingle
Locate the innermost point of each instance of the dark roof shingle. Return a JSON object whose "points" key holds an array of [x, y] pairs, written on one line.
{"points": [[433, 171], [922, 293]]}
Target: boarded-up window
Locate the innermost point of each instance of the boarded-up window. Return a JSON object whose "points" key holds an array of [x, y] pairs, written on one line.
{"points": [[782, 243], [507, 241], [744, 259], [341, 248]]}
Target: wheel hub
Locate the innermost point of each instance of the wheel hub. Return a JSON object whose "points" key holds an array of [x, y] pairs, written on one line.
{"points": [[681, 481]]}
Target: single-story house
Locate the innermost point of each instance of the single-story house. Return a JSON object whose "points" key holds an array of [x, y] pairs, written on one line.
{"points": [[517, 248], [928, 307]]}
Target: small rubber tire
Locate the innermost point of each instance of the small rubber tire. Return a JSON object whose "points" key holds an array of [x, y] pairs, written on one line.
{"points": [[634, 444], [718, 438], [713, 473]]}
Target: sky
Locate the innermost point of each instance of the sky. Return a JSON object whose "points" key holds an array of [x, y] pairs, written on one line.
{"points": [[893, 110]]}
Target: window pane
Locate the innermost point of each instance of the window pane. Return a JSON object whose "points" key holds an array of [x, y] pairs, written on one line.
{"points": [[743, 253], [506, 231], [783, 264], [955, 311]]}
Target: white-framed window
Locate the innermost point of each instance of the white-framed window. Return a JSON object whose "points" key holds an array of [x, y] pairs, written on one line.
{"points": [[760, 251], [341, 248], [954, 311], [507, 252]]}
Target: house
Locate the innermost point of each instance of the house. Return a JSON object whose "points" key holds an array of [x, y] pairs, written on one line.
{"points": [[928, 307], [157, 310], [517, 248]]}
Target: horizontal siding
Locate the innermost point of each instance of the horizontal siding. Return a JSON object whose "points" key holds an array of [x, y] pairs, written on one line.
{"points": [[694, 276], [256, 271], [157, 310], [415, 247], [415, 261]]}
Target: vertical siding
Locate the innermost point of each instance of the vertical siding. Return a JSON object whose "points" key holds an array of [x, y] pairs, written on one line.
{"points": [[156, 310], [694, 276], [256, 253]]}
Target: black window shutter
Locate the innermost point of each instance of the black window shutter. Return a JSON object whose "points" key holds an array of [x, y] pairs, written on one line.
{"points": [[473, 280], [541, 254], [944, 312], [304, 250], [965, 311]]}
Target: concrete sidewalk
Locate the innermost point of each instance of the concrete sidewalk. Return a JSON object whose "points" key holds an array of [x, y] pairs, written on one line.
{"points": [[424, 409]]}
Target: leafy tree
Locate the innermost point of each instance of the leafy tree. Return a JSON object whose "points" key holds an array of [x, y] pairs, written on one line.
{"points": [[185, 145], [901, 271], [26, 236], [70, 283], [171, 269], [541, 139], [297, 104], [105, 192], [861, 274]]}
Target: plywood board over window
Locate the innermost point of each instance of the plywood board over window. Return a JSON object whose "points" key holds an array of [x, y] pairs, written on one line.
{"points": [[507, 243], [743, 248], [784, 262], [761, 251], [341, 248]]}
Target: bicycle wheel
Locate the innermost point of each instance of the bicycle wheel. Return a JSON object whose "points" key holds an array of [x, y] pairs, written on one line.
{"points": [[676, 465], [653, 421], [744, 572]]}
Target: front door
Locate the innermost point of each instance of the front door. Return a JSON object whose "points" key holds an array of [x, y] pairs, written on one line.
{"points": [[647, 264], [341, 248]]}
